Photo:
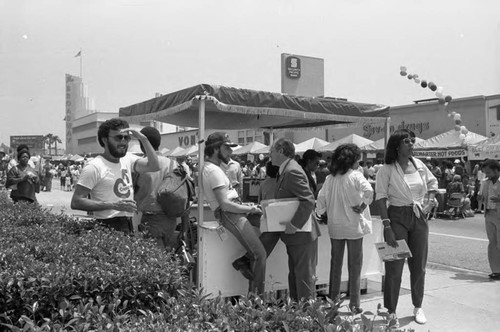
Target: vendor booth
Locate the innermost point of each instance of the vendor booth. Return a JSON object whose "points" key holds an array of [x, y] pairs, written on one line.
{"points": [[312, 143], [353, 139], [216, 107], [446, 145]]}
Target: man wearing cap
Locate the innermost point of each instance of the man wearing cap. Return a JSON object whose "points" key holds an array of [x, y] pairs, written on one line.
{"points": [[302, 247], [230, 212], [146, 185], [108, 177]]}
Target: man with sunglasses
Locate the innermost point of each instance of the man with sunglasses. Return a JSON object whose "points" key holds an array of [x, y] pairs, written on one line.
{"points": [[105, 185]]}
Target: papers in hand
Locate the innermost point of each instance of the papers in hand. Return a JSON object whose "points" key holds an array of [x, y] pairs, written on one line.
{"points": [[388, 253], [279, 211]]}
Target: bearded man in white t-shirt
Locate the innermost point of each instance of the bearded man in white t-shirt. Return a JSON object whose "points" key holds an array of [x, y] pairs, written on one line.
{"points": [[105, 184]]}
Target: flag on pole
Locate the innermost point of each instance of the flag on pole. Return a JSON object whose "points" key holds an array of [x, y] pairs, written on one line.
{"points": [[78, 54]]}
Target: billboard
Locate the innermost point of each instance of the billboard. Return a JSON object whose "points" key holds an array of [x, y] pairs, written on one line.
{"points": [[34, 143]]}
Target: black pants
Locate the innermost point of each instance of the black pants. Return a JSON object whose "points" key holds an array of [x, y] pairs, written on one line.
{"points": [[415, 231], [122, 224]]}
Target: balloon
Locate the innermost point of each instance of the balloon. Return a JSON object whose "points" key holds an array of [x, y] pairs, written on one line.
{"points": [[457, 117], [433, 87], [447, 98], [440, 89], [462, 128], [416, 80], [439, 95], [453, 113], [423, 84], [410, 76], [461, 136], [457, 127], [402, 73], [441, 101], [402, 68], [449, 115], [465, 131], [458, 122]]}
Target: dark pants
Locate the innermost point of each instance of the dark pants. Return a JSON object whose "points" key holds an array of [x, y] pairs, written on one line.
{"points": [[406, 226], [302, 261], [121, 224], [354, 263], [247, 235], [161, 228]]}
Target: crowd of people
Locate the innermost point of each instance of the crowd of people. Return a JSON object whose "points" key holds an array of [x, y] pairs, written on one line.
{"points": [[337, 191]]}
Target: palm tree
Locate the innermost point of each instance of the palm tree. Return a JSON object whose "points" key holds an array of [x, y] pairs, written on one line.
{"points": [[48, 139], [56, 139]]}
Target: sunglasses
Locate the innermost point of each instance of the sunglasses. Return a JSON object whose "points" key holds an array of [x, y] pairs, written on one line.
{"points": [[120, 138], [407, 140]]}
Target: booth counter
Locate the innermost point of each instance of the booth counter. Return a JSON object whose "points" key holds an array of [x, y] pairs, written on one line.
{"points": [[215, 255]]}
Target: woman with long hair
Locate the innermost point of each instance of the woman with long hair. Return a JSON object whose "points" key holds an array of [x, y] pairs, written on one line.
{"points": [[345, 196], [402, 183]]}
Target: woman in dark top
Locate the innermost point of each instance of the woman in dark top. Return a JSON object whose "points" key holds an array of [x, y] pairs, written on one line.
{"points": [[23, 179], [310, 163]]}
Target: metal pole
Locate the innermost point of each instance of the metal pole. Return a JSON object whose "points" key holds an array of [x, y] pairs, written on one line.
{"points": [[201, 161], [387, 132], [81, 67]]}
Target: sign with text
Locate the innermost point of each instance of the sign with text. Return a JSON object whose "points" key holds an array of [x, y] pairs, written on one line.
{"points": [[34, 143], [450, 153], [293, 67], [491, 152]]}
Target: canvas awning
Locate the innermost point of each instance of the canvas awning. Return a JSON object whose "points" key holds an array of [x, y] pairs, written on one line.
{"points": [[446, 145], [379, 145], [233, 108], [249, 148], [353, 138], [310, 144]]}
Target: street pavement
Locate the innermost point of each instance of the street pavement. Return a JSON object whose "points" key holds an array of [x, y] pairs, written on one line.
{"points": [[459, 296]]}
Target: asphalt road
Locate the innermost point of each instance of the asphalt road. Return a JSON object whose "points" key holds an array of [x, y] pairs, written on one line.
{"points": [[458, 243]]}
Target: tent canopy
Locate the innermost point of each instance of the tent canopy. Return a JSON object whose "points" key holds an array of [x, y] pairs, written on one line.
{"points": [[233, 108], [249, 148], [449, 139], [352, 138], [192, 150], [379, 145], [492, 143], [173, 152], [312, 143]]}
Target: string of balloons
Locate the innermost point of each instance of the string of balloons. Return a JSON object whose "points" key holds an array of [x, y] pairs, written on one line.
{"points": [[442, 99]]}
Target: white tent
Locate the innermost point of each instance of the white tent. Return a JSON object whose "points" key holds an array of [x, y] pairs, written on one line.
{"points": [[164, 151], [312, 143], [446, 145], [352, 138], [175, 151], [192, 150], [249, 148], [379, 145], [487, 149]]}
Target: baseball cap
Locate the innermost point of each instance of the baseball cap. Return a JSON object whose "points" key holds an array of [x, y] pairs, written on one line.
{"points": [[219, 138], [457, 161]]}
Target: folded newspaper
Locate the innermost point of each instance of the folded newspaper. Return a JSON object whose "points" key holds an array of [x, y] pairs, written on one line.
{"points": [[388, 253], [279, 211]]}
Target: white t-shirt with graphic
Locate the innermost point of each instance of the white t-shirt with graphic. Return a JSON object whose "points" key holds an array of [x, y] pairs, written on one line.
{"points": [[213, 178], [109, 182]]}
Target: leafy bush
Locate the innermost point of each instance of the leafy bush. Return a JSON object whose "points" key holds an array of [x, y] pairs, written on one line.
{"points": [[49, 262]]}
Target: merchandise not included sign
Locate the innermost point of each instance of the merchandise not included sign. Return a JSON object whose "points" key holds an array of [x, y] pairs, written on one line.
{"points": [[450, 153], [34, 143]]}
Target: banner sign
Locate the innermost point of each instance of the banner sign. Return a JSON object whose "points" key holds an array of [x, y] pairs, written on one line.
{"points": [[480, 154], [451, 153], [34, 143]]}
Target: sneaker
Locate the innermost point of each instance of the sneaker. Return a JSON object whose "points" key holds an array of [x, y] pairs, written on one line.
{"points": [[419, 315], [242, 265], [393, 321]]}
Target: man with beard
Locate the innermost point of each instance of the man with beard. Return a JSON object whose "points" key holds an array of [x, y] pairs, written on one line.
{"points": [[108, 177], [231, 213]]}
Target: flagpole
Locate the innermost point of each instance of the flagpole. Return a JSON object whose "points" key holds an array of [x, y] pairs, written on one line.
{"points": [[81, 57]]}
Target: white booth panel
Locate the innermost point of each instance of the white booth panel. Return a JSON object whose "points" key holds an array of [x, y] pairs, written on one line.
{"points": [[217, 276]]}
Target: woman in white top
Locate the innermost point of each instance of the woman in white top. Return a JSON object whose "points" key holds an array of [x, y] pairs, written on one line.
{"points": [[401, 186], [345, 196]]}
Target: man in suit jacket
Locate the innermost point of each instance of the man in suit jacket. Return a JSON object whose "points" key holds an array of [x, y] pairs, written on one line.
{"points": [[302, 247]]}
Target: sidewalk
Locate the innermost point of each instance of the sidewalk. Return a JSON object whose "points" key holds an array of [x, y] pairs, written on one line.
{"points": [[455, 300]]}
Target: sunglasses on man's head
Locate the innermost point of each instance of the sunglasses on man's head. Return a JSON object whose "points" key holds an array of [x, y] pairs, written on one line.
{"points": [[407, 140], [120, 138]]}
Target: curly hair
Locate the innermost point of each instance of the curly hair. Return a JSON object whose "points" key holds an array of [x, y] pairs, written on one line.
{"points": [[344, 157], [391, 150], [107, 126]]}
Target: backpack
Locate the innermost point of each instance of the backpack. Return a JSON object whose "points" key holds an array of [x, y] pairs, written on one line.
{"points": [[175, 193]]}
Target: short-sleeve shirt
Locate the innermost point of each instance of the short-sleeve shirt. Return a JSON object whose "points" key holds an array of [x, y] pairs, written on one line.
{"points": [[213, 178], [109, 182]]}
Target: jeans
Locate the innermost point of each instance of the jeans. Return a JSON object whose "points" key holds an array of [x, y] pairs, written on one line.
{"points": [[247, 235], [492, 222], [161, 228], [406, 226], [354, 263]]}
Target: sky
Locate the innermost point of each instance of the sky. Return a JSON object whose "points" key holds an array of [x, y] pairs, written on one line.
{"points": [[134, 48]]}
